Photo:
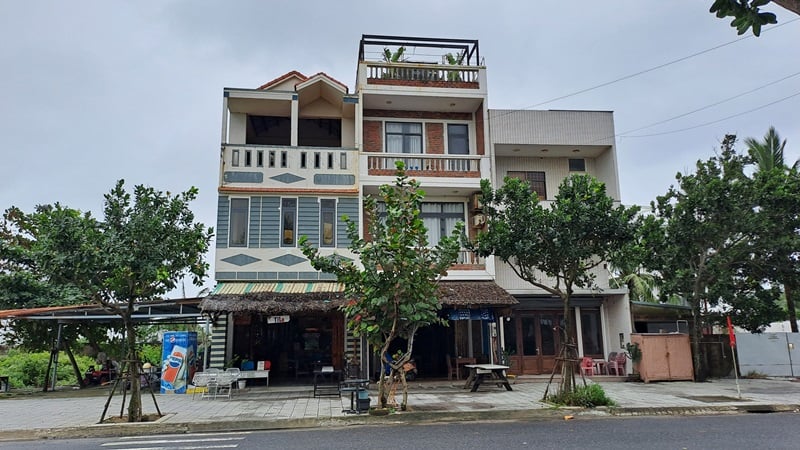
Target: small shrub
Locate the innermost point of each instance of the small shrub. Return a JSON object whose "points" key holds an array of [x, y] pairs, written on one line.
{"points": [[588, 396], [755, 375], [28, 369]]}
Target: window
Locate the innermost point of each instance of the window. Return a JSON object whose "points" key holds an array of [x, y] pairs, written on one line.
{"points": [[284, 160], [343, 160], [536, 181], [248, 158], [403, 137], [439, 218], [457, 139], [237, 236], [260, 158], [288, 222], [577, 165], [303, 160], [591, 331], [327, 223]]}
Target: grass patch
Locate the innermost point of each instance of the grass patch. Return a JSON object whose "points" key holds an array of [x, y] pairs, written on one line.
{"points": [[589, 396]]}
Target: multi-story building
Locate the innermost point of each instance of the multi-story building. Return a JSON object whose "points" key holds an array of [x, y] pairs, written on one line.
{"points": [[299, 153]]}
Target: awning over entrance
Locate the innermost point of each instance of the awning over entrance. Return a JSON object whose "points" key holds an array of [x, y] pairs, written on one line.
{"points": [[274, 298], [295, 297], [474, 293]]}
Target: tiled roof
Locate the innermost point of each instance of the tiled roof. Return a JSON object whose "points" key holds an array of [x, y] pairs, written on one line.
{"points": [[283, 77]]}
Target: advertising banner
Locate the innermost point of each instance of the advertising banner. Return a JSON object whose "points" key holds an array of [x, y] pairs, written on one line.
{"points": [[178, 361]]}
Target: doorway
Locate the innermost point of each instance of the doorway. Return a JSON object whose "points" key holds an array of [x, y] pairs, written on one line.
{"points": [[532, 340]]}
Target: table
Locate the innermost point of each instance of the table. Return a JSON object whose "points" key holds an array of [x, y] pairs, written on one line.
{"points": [[353, 386], [326, 381], [600, 366], [254, 374], [479, 372]]}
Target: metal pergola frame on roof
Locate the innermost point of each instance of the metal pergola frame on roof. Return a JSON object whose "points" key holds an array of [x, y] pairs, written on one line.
{"points": [[469, 47]]}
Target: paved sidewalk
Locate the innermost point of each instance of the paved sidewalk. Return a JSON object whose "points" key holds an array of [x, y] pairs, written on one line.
{"points": [[63, 415]]}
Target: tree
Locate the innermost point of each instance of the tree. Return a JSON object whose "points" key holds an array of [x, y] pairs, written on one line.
{"points": [[143, 247], [779, 189], [747, 13], [32, 276], [393, 292], [705, 244], [555, 247]]}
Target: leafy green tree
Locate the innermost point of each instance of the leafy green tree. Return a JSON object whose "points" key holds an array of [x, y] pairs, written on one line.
{"points": [[778, 188], [706, 247], [393, 290], [146, 244], [748, 13], [555, 247]]}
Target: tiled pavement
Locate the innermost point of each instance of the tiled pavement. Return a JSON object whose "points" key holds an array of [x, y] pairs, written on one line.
{"points": [[295, 406]]}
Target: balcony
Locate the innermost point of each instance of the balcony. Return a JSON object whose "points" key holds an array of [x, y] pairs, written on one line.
{"points": [[289, 167], [426, 165], [423, 75]]}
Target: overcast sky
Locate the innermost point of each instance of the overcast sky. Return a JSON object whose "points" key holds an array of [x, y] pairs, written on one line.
{"points": [[95, 91]]}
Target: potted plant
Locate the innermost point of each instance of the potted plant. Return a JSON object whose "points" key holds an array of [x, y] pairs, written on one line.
{"points": [[634, 353]]}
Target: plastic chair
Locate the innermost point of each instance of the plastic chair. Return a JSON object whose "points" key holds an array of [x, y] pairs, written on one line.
{"points": [[452, 369], [613, 364], [587, 365]]}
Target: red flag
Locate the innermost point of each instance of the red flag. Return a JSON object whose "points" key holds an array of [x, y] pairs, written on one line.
{"points": [[730, 333]]}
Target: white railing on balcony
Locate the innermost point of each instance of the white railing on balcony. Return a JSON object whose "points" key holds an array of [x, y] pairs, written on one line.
{"points": [[422, 72], [467, 257], [428, 164], [303, 162]]}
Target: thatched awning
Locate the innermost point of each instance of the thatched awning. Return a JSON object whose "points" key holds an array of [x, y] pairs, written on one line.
{"points": [[474, 293], [274, 298], [300, 297]]}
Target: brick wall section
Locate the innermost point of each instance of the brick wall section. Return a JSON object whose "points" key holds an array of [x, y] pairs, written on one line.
{"points": [[373, 136], [373, 113], [435, 138], [479, 138]]}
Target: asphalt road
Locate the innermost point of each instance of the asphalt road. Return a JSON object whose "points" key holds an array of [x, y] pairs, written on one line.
{"points": [[748, 431]]}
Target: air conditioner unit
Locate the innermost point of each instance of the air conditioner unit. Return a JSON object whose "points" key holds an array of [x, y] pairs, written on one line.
{"points": [[476, 201], [478, 220]]}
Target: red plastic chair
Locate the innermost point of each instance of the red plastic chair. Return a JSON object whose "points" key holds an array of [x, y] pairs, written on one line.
{"points": [[587, 365]]}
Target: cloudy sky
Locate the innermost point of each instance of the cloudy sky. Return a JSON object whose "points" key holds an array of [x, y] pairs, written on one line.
{"points": [[95, 91]]}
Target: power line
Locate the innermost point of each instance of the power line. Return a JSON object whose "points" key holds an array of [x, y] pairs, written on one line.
{"points": [[707, 106], [651, 69], [719, 120]]}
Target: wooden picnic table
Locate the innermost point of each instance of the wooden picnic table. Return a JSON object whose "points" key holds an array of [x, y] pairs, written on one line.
{"points": [[480, 372]]}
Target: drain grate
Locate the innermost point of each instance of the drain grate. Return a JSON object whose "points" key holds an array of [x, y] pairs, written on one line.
{"points": [[716, 398]]}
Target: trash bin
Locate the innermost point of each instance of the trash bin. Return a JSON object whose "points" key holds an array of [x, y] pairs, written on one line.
{"points": [[362, 402]]}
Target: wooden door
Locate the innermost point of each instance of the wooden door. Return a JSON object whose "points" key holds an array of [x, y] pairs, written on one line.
{"points": [[533, 339]]}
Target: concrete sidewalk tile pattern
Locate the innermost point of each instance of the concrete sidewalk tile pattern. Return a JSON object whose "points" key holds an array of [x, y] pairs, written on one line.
{"points": [[274, 404]]}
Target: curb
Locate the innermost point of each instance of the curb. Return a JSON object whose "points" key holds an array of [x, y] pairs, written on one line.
{"points": [[164, 426]]}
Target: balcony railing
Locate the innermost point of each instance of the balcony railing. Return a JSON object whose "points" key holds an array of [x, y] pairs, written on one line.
{"points": [[439, 75], [461, 166], [296, 165], [469, 258]]}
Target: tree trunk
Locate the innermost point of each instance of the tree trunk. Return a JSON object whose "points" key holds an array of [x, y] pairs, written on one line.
{"points": [[789, 291], [132, 357], [569, 350], [699, 373]]}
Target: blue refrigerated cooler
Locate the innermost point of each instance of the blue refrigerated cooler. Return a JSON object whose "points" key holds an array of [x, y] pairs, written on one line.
{"points": [[178, 361]]}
